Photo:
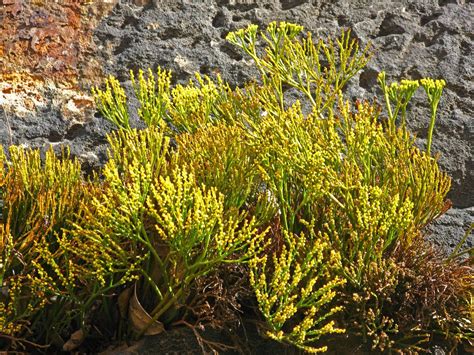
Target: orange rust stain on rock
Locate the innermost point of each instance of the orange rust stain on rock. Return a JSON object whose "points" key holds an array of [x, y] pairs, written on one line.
{"points": [[19, 82], [50, 40], [47, 55], [82, 102]]}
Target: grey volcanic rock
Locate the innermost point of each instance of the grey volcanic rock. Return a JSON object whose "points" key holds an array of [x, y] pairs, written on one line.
{"points": [[446, 233], [412, 39], [86, 140]]}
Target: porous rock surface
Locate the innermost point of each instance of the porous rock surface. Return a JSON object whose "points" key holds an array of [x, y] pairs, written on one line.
{"points": [[51, 54]]}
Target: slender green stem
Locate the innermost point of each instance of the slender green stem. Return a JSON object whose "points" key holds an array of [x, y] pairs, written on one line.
{"points": [[430, 129], [152, 284], [160, 310]]}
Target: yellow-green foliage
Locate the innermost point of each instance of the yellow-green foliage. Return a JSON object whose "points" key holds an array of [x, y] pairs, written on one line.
{"points": [[362, 182], [358, 177], [159, 223], [112, 103], [220, 157], [391, 161], [39, 198], [399, 95], [297, 61], [294, 292], [367, 187], [295, 161], [190, 220], [183, 108], [378, 157], [193, 105], [110, 237], [153, 95], [223, 176], [433, 89]]}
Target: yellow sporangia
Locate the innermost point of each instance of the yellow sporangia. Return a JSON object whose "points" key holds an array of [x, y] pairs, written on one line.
{"points": [[302, 280]]}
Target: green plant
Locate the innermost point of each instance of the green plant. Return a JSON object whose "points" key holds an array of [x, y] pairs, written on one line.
{"points": [[153, 95], [295, 292], [40, 198], [289, 59], [323, 211], [400, 94], [433, 89], [357, 177], [361, 181], [110, 237], [199, 233], [112, 103], [220, 158], [162, 227], [182, 108]]}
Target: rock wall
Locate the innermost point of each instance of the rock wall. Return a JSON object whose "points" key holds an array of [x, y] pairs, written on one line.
{"points": [[51, 54]]}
